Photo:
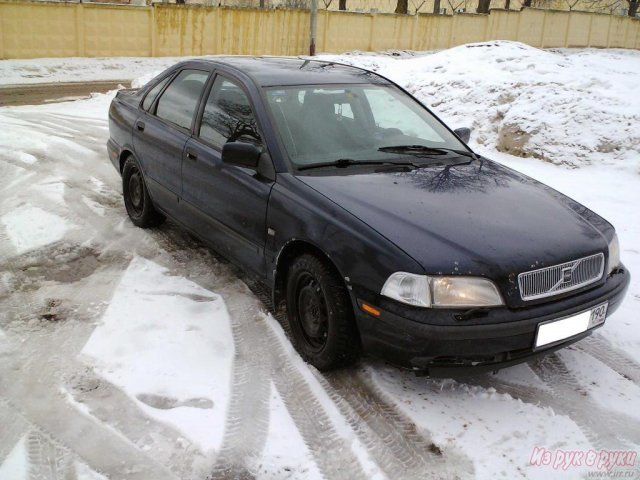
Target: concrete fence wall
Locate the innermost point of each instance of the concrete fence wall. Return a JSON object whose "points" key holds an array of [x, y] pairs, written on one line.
{"points": [[38, 29]]}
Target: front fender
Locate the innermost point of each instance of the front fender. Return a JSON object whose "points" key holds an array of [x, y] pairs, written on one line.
{"points": [[360, 254]]}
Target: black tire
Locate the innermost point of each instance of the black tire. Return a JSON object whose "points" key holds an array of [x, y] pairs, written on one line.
{"points": [[136, 198], [320, 314]]}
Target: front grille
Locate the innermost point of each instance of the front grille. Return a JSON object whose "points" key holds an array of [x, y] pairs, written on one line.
{"points": [[565, 277]]}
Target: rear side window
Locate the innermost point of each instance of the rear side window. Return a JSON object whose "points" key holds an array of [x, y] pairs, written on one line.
{"points": [[153, 93], [179, 101]]}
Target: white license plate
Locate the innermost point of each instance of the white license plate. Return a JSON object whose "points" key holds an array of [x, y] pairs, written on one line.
{"points": [[555, 330]]}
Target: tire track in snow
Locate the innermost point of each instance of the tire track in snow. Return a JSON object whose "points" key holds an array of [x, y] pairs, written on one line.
{"points": [[156, 438], [618, 361], [393, 438], [303, 405], [611, 428], [603, 429], [247, 420], [47, 459], [332, 453], [34, 389], [248, 411]]}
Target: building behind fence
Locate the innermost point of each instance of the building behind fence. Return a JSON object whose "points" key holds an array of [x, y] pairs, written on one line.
{"points": [[39, 29]]}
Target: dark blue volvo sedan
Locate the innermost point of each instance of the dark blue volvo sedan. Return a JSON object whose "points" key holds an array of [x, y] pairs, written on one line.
{"points": [[373, 222]]}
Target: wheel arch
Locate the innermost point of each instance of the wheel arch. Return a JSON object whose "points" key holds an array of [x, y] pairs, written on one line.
{"points": [[290, 251], [124, 154]]}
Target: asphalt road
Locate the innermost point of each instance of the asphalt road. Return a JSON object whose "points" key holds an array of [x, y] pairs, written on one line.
{"points": [[40, 93]]}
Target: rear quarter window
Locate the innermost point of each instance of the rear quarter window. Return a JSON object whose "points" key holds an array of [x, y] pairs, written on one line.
{"points": [[153, 93]]}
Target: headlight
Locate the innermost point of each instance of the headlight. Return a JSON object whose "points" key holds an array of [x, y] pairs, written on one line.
{"points": [[454, 291], [614, 254], [408, 288]]}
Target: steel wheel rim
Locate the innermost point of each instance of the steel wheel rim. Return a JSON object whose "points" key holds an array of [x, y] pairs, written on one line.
{"points": [[312, 312], [136, 192]]}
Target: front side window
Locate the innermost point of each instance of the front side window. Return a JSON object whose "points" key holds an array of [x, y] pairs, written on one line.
{"points": [[179, 101], [325, 123], [228, 116]]}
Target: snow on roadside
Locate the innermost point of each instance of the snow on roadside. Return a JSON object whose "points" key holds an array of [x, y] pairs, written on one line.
{"points": [[55, 70], [569, 107], [140, 346]]}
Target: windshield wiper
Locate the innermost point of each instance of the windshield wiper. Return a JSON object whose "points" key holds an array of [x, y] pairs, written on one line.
{"points": [[419, 150], [348, 162]]}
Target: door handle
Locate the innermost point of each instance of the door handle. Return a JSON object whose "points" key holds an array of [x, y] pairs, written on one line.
{"points": [[191, 155], [140, 125]]}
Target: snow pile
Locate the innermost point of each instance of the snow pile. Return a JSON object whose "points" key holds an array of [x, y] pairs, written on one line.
{"points": [[567, 107], [167, 342]]}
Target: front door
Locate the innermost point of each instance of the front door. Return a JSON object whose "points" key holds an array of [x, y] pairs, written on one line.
{"points": [[226, 204]]}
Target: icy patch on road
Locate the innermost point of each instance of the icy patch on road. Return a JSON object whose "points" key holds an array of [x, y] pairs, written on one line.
{"points": [[30, 228], [167, 343]]}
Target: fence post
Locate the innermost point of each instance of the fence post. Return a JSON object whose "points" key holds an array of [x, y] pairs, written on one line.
{"points": [[2, 30], [80, 29], [414, 28], [609, 32], [153, 31], [371, 30]]}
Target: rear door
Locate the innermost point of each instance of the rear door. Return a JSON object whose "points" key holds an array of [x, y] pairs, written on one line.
{"points": [[161, 133], [226, 204]]}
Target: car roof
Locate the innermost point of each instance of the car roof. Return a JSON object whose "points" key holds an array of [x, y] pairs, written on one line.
{"points": [[282, 71]]}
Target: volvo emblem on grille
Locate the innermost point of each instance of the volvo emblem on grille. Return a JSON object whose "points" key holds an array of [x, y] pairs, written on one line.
{"points": [[566, 274]]}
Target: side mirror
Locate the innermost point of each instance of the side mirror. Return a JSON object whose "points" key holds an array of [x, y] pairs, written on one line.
{"points": [[463, 133], [241, 154]]}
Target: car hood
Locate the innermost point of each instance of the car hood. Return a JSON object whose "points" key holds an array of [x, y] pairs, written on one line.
{"points": [[475, 218]]}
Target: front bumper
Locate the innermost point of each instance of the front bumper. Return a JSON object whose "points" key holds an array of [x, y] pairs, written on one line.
{"points": [[442, 342]]}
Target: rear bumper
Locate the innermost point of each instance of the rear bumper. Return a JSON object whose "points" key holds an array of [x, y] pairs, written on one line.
{"points": [[447, 342]]}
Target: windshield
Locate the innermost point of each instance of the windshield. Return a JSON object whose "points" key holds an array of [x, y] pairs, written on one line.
{"points": [[326, 123]]}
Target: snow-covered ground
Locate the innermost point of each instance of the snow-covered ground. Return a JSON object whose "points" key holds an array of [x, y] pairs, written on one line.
{"points": [[141, 354]]}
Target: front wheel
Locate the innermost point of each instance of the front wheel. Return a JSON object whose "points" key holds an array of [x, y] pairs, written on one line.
{"points": [[320, 314], [136, 198]]}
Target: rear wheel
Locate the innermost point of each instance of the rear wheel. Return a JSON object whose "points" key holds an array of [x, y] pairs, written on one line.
{"points": [[320, 314], [136, 198]]}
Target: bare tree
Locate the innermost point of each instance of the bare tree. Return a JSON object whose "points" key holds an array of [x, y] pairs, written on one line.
{"points": [[507, 4], [633, 8], [327, 4], [342, 4], [436, 7], [417, 6], [571, 4], [402, 6], [455, 5]]}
